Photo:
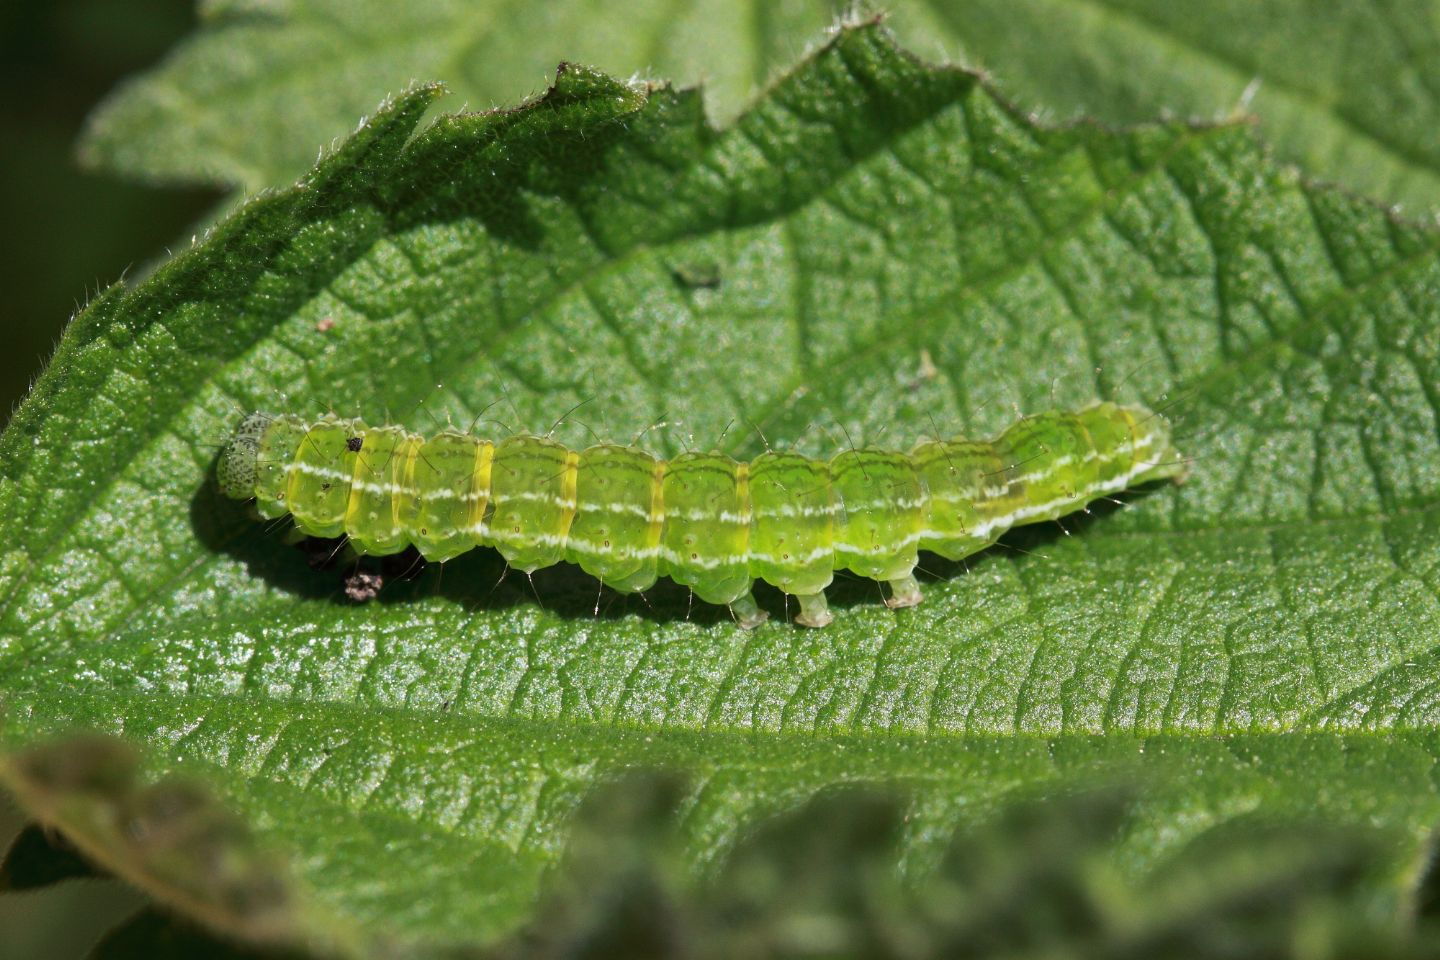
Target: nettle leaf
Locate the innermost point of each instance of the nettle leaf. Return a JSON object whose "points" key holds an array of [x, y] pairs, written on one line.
{"points": [[879, 250], [1344, 88]]}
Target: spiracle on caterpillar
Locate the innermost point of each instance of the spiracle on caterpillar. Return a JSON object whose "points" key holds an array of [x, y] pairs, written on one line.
{"points": [[703, 519]]}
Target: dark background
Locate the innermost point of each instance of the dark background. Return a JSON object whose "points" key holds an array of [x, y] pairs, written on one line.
{"points": [[68, 232]]}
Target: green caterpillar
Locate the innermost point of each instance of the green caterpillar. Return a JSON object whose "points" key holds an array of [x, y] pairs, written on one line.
{"points": [[702, 519]]}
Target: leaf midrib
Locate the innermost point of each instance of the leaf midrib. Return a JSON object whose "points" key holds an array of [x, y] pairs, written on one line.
{"points": [[1303, 722]]}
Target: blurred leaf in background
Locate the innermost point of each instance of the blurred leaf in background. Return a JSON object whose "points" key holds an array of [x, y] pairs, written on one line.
{"points": [[69, 233], [1347, 89], [52, 920], [1032, 880]]}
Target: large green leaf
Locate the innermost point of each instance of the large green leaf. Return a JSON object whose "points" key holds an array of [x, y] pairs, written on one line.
{"points": [[878, 249], [1347, 88]]}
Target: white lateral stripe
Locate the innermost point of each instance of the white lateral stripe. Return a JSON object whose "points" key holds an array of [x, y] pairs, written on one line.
{"points": [[446, 493], [391, 489], [906, 504], [796, 510], [319, 470], [533, 496], [1008, 520], [618, 506], [727, 517]]}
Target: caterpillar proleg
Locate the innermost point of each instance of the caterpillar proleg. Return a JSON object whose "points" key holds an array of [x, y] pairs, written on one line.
{"points": [[703, 519]]}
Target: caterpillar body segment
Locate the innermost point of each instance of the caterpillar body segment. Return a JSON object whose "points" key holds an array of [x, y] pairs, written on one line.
{"points": [[704, 520]]}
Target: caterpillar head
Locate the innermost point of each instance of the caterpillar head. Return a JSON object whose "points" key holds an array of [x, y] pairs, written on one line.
{"points": [[237, 469]]}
